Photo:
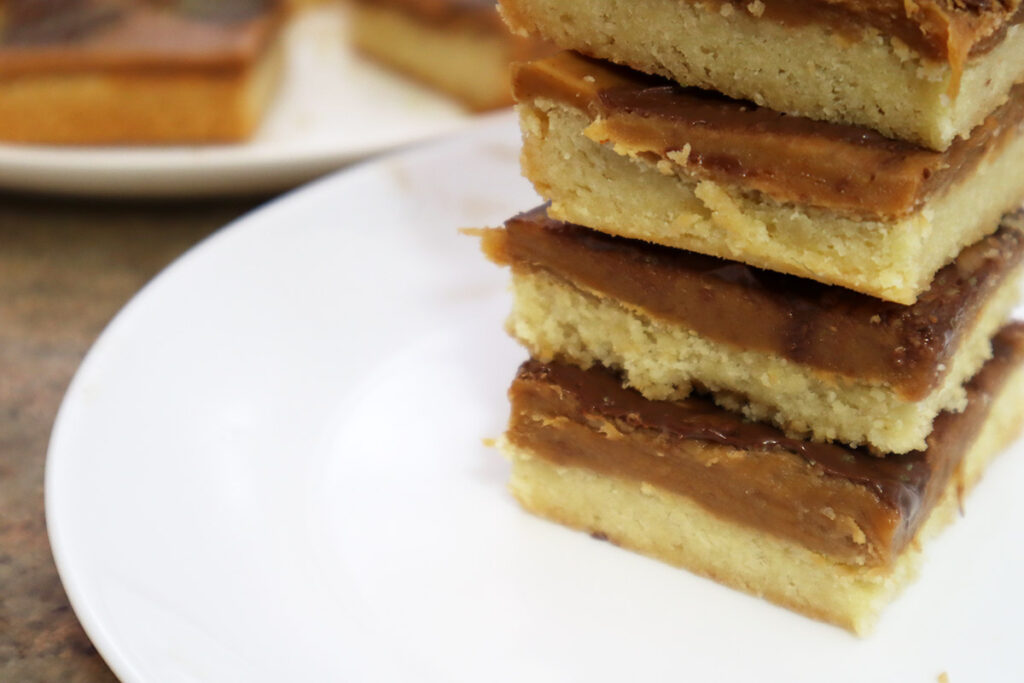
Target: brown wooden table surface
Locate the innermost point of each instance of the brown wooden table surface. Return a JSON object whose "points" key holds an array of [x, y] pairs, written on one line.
{"points": [[66, 267]]}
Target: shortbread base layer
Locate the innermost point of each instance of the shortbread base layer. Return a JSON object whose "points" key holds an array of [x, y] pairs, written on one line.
{"points": [[590, 184], [680, 531], [555, 319], [804, 70], [139, 107], [470, 65]]}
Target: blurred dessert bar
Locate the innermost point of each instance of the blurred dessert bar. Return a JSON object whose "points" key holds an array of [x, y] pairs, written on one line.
{"points": [[460, 47], [818, 361], [825, 530], [926, 71], [136, 71], [638, 156]]}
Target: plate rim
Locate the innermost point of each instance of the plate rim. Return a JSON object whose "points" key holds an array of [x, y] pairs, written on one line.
{"points": [[86, 613]]}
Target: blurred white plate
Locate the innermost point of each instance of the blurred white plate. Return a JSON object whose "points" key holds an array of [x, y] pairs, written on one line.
{"points": [[270, 468], [333, 107]]}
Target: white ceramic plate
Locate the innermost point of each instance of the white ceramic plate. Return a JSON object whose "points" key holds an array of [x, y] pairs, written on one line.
{"points": [[332, 107], [270, 467]]}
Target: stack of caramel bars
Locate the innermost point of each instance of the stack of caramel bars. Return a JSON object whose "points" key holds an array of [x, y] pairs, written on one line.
{"points": [[768, 301]]}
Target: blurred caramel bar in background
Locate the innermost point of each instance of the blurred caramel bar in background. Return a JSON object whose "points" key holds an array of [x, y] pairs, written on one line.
{"points": [[460, 47], [142, 71]]}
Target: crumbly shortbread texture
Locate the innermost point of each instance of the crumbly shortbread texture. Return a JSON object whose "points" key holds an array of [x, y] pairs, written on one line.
{"points": [[680, 531], [805, 70], [591, 184], [555, 319]]}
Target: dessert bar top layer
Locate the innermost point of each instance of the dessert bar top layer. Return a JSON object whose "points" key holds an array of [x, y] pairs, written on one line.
{"points": [[825, 327], [480, 13], [948, 30], [77, 35], [586, 418], [791, 159]]}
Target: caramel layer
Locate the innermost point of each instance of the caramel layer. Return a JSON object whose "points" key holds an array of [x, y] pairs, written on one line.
{"points": [[832, 499], [76, 35], [908, 348], [947, 30], [791, 159]]}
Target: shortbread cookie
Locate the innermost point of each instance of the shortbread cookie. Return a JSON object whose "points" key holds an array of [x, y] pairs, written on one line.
{"points": [[830, 532], [820, 362], [925, 71], [633, 155]]}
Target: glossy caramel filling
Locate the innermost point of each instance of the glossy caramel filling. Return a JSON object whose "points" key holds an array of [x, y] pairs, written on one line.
{"points": [[845, 168], [832, 499], [908, 348], [947, 30], [38, 36]]}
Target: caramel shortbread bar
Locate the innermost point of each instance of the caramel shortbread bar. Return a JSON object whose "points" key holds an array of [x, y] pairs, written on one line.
{"points": [[460, 47], [638, 156], [145, 71], [924, 71], [831, 532], [819, 361]]}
